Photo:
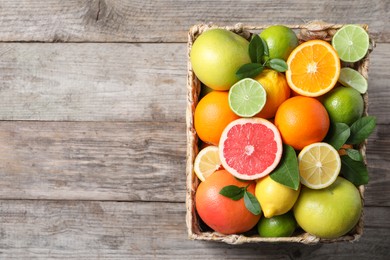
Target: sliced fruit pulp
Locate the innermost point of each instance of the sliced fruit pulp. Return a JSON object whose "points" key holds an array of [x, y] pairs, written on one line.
{"points": [[253, 152]]}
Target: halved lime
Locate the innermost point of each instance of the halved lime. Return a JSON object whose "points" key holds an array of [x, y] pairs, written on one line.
{"points": [[351, 42], [353, 79], [247, 97]]}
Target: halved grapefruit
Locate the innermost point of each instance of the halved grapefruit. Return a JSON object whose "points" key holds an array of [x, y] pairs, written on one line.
{"points": [[250, 148]]}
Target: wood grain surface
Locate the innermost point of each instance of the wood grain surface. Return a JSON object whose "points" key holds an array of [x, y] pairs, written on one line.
{"points": [[92, 127]]}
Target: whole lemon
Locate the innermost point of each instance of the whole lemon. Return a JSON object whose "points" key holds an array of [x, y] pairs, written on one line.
{"points": [[330, 212], [344, 105], [281, 40], [274, 198], [216, 55], [277, 90]]}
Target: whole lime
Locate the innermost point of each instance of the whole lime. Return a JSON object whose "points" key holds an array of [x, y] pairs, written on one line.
{"points": [[330, 212], [216, 55], [344, 105], [277, 226], [281, 40]]}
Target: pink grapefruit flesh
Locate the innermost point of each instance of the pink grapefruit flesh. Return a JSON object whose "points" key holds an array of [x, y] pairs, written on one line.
{"points": [[250, 148]]}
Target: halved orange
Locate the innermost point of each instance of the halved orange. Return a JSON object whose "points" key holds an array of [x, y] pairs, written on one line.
{"points": [[313, 68]]}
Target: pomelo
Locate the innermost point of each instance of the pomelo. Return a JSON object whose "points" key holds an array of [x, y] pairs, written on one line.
{"points": [[250, 148]]}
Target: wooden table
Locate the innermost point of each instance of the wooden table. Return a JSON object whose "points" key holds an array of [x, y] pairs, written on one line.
{"points": [[92, 130]]}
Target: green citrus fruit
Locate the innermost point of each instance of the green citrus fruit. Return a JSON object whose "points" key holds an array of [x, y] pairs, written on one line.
{"points": [[344, 105], [351, 43], [281, 40], [216, 55], [353, 79], [330, 212], [247, 97], [277, 226]]}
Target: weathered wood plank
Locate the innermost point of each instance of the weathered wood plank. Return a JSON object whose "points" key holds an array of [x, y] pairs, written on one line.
{"points": [[92, 161], [120, 161], [99, 82], [126, 82], [101, 230], [147, 21]]}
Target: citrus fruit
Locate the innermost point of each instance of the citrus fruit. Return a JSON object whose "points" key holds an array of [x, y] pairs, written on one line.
{"points": [[222, 214], [353, 79], [206, 162], [280, 39], [351, 42], [247, 97], [277, 90], [277, 226], [250, 148], [330, 212], [302, 121], [216, 55], [313, 68], [274, 198], [212, 115], [319, 165], [344, 105]]}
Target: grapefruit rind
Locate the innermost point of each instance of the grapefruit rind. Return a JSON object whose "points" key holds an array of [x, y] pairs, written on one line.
{"points": [[276, 143]]}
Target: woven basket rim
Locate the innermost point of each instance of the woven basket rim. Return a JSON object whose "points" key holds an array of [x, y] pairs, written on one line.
{"points": [[311, 29]]}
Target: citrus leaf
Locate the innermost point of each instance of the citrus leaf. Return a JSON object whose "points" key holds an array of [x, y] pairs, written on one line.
{"points": [[256, 49], [337, 135], [278, 65], [249, 70], [354, 171], [361, 129], [265, 47], [354, 154], [233, 192], [287, 171], [251, 203]]}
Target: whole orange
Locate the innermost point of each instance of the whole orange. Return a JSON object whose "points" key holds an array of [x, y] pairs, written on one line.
{"points": [[212, 115], [221, 213], [302, 121]]}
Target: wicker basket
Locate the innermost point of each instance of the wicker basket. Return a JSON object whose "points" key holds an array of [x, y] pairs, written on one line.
{"points": [[196, 229]]}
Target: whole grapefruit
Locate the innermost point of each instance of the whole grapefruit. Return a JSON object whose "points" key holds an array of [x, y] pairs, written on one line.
{"points": [[223, 214]]}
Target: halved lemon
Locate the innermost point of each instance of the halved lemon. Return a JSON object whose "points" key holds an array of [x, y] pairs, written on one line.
{"points": [[207, 162], [319, 165]]}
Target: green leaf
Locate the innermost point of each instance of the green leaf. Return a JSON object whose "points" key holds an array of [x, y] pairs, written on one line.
{"points": [[287, 171], [361, 129], [337, 135], [265, 47], [354, 171], [251, 203], [256, 49], [354, 155], [249, 70], [278, 65], [233, 192]]}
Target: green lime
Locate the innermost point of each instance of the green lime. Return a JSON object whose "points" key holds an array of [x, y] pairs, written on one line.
{"points": [[277, 226], [353, 79], [281, 40], [344, 105], [351, 42], [247, 97]]}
